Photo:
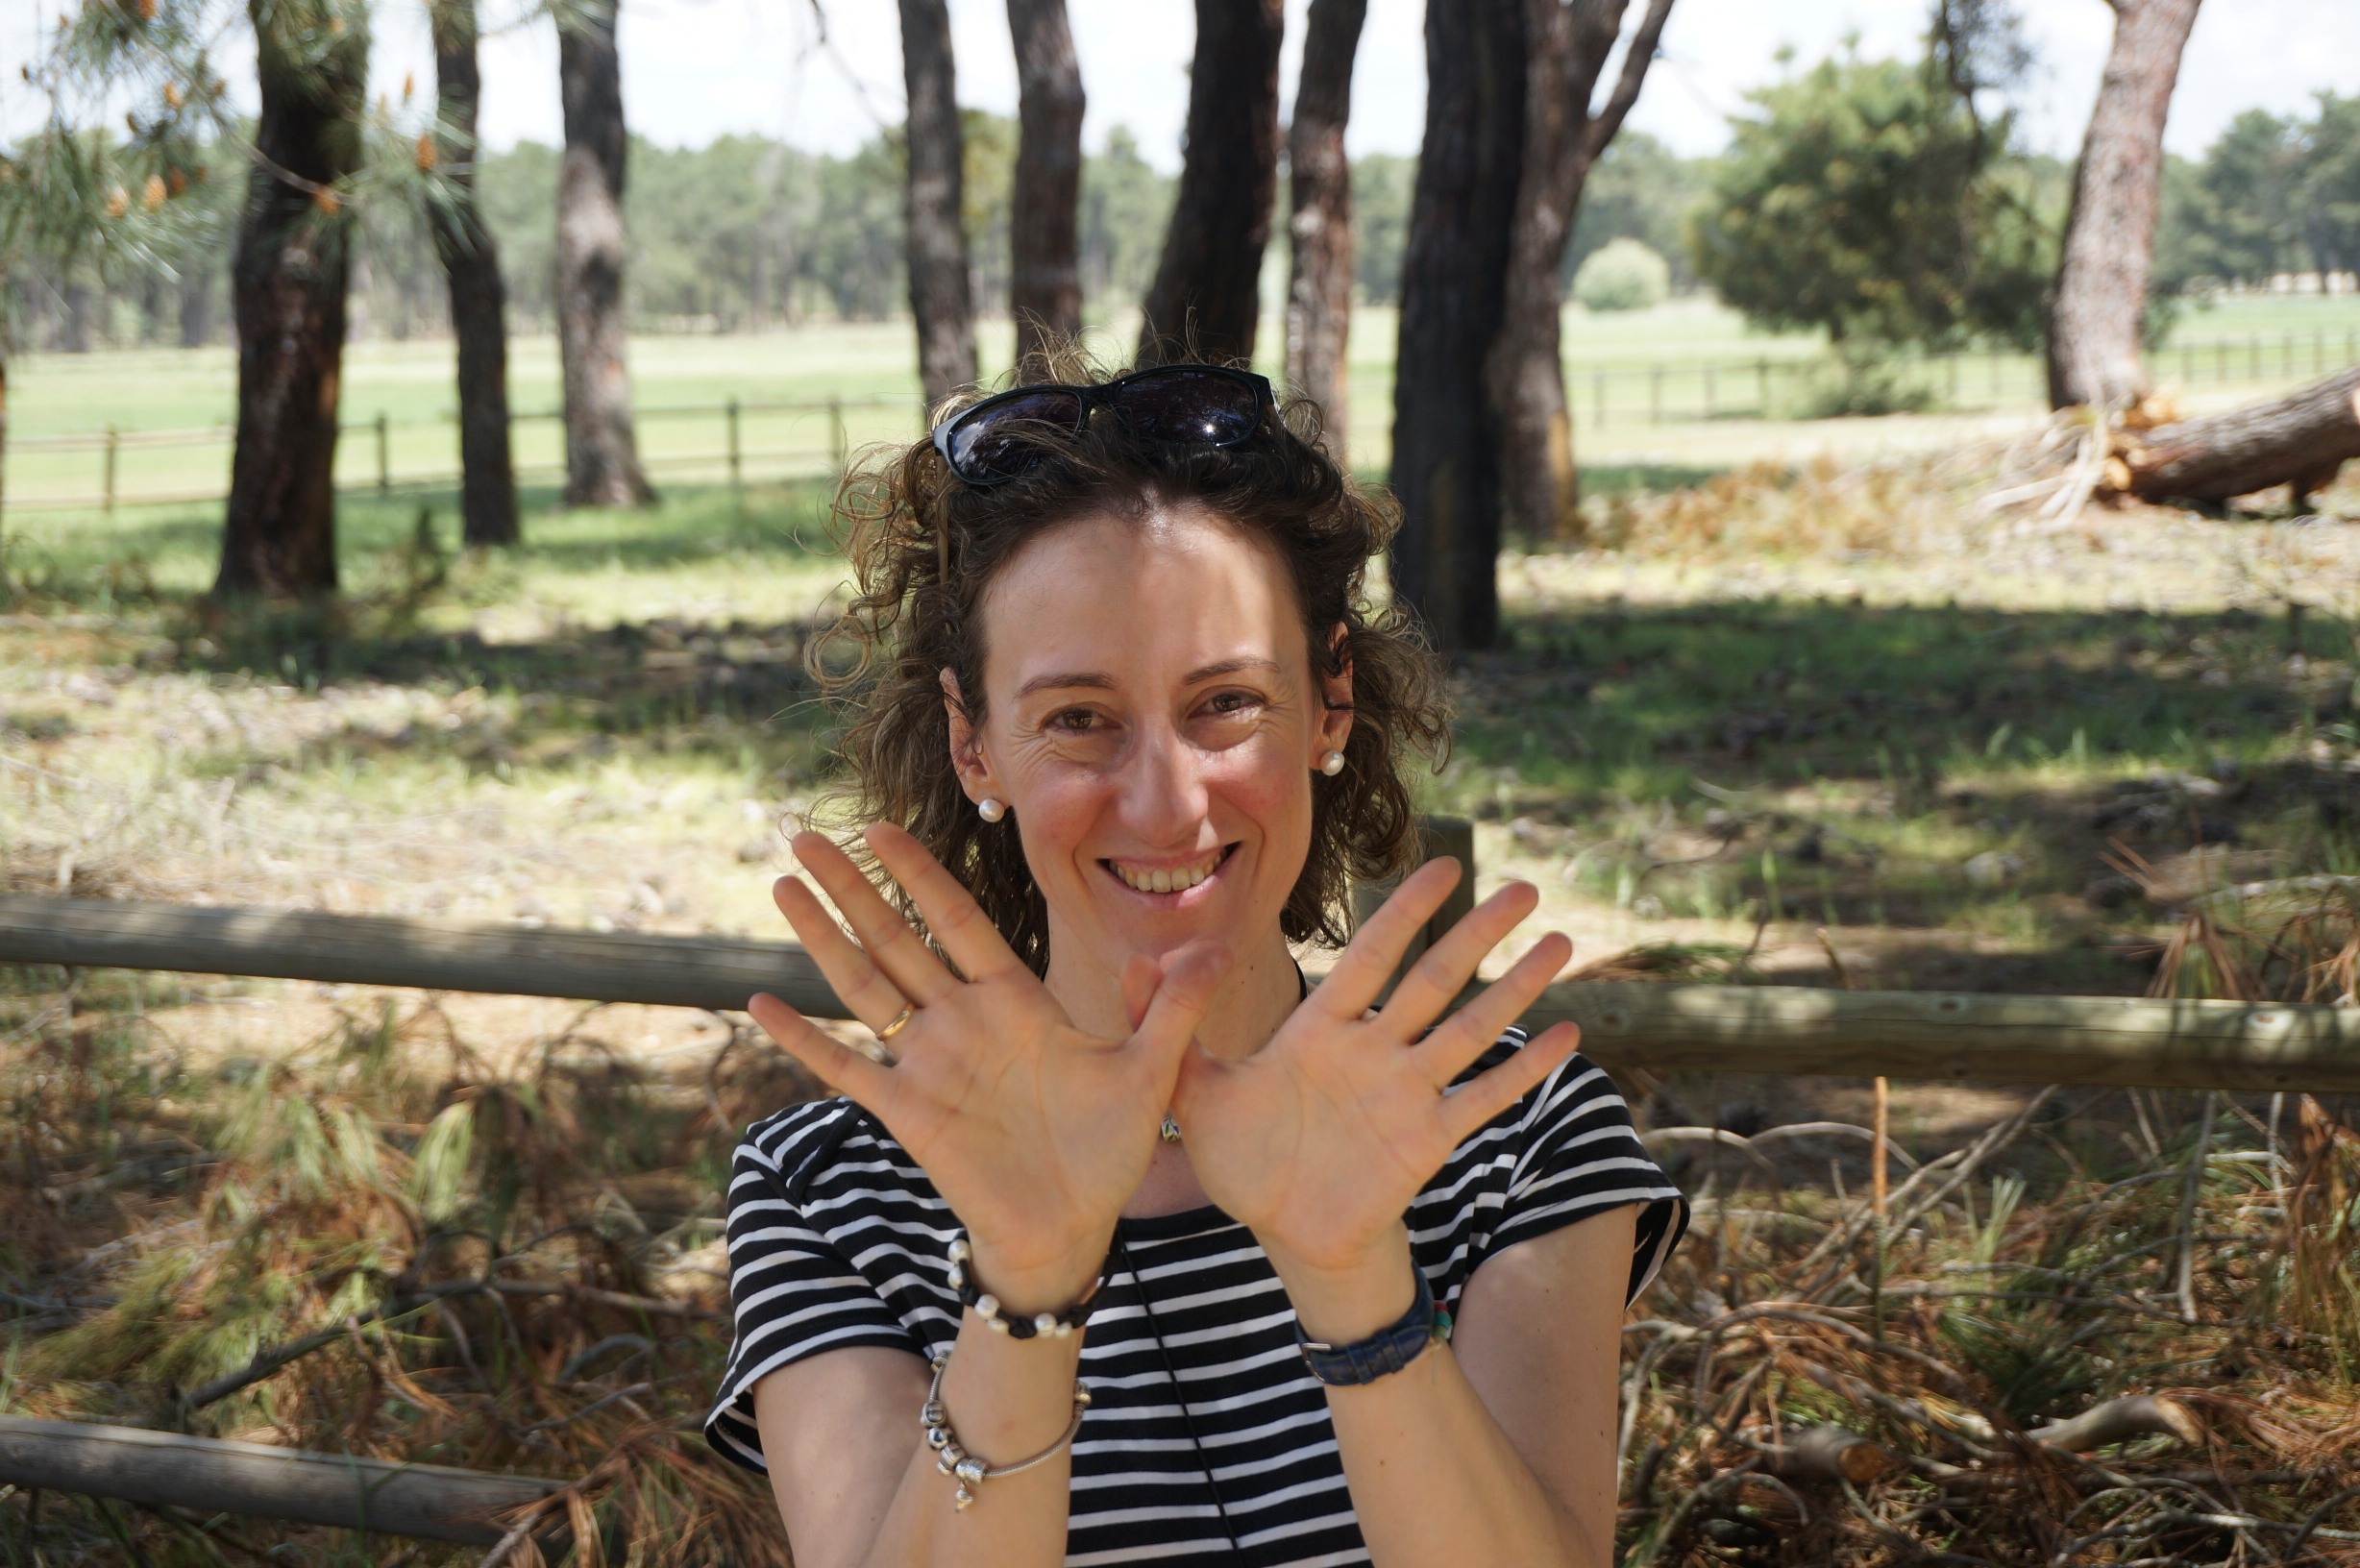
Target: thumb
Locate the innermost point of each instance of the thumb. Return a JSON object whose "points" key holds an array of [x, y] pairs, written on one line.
{"points": [[1190, 978], [1141, 976]]}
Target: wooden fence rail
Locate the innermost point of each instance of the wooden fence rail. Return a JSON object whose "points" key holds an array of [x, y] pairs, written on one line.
{"points": [[1766, 1029], [162, 1469]]}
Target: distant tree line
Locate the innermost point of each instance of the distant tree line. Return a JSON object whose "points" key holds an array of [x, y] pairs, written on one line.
{"points": [[748, 234]]}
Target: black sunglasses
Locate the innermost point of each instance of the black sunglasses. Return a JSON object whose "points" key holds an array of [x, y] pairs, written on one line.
{"points": [[1194, 406]]}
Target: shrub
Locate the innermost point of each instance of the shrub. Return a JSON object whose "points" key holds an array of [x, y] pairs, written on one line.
{"points": [[1622, 275]]}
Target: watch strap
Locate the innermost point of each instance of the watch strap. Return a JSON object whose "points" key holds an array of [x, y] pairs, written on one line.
{"points": [[1383, 1353]]}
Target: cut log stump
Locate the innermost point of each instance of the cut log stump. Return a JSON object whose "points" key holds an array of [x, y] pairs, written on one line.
{"points": [[2300, 439]]}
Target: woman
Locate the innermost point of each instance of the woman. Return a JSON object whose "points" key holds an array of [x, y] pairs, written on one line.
{"points": [[1130, 1246]]}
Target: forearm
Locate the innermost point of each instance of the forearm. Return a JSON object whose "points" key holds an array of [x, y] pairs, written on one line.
{"points": [[1435, 1482], [1435, 1478], [1007, 1400]]}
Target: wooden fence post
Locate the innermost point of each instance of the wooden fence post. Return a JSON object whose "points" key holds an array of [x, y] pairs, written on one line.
{"points": [[839, 445], [1438, 836], [114, 440], [1762, 383], [1655, 394], [385, 465], [737, 473]]}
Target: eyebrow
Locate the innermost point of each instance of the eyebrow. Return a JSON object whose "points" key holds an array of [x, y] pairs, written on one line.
{"points": [[1097, 681]]}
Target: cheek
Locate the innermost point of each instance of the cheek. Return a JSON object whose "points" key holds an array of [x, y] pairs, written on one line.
{"points": [[1057, 807], [1264, 782]]}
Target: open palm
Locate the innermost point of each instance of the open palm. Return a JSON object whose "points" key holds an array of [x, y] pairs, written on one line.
{"points": [[1320, 1140], [1034, 1130]]}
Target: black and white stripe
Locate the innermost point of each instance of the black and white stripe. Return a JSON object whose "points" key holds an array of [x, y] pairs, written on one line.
{"points": [[836, 1238]]}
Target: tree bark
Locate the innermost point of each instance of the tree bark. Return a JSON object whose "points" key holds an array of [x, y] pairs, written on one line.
{"points": [[1319, 227], [602, 448], [2300, 439], [288, 280], [1045, 287], [2110, 228], [1567, 42], [478, 303], [79, 309], [1453, 274], [196, 304], [1206, 297], [941, 297]]}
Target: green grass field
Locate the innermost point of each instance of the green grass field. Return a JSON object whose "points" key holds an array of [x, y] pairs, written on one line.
{"points": [[1684, 384]]}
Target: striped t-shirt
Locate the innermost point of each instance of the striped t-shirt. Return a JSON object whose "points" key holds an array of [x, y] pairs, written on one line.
{"points": [[838, 1238]]}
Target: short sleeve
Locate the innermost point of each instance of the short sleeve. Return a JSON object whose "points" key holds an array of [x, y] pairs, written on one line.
{"points": [[1578, 1155], [791, 1292]]}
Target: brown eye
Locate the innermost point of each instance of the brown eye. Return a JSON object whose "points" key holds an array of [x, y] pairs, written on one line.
{"points": [[1074, 720]]}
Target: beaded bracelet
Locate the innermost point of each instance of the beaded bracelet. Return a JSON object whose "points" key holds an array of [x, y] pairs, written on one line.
{"points": [[950, 1460], [1044, 1325]]}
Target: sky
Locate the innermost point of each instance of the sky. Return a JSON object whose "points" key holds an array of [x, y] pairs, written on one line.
{"points": [[695, 69]]}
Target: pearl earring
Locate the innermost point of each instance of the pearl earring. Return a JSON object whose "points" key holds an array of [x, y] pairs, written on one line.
{"points": [[1332, 764], [990, 810]]}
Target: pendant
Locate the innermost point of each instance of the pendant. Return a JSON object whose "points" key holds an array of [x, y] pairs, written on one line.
{"points": [[1170, 1129]]}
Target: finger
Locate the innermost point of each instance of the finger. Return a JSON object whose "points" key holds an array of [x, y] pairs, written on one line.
{"points": [[1191, 977], [1442, 970], [1141, 976], [958, 922], [1468, 1107], [859, 984], [1375, 950], [884, 935], [1475, 1027], [833, 1063]]}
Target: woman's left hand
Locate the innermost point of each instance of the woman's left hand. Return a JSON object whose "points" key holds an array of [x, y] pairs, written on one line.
{"points": [[1320, 1141]]}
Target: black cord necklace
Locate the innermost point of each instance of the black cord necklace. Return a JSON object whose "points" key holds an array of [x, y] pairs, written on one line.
{"points": [[1179, 1396]]}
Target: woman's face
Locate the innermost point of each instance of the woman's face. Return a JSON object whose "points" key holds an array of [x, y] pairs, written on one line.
{"points": [[1153, 723]]}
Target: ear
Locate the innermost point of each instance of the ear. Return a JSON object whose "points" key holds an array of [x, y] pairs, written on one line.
{"points": [[1335, 724], [967, 757]]}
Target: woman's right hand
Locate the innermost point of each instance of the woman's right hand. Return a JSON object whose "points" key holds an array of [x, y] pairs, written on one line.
{"points": [[1034, 1130]]}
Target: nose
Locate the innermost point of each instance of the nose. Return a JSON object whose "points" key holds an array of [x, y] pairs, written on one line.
{"points": [[1163, 796]]}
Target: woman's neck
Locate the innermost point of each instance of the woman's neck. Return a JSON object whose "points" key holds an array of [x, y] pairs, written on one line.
{"points": [[1259, 989]]}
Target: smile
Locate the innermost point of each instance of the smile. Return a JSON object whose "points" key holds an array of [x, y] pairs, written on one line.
{"points": [[1168, 879]]}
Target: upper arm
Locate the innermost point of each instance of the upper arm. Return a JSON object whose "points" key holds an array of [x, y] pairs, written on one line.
{"points": [[1539, 1338], [838, 1430]]}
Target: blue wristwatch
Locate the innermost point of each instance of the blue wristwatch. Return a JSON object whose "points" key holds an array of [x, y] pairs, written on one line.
{"points": [[1383, 1353]]}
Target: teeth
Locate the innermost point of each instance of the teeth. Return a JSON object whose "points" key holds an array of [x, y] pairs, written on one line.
{"points": [[1161, 879]]}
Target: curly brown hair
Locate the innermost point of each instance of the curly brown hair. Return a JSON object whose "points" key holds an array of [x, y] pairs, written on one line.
{"points": [[923, 547]]}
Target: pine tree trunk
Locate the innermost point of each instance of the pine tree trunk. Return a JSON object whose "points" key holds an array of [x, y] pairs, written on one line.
{"points": [[1319, 227], [1453, 275], [78, 313], [2300, 439], [1566, 50], [1045, 286], [602, 448], [287, 281], [479, 304], [1206, 295], [196, 302], [942, 300], [2109, 244]]}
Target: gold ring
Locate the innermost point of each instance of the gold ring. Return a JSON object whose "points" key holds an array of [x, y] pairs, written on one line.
{"points": [[901, 1021]]}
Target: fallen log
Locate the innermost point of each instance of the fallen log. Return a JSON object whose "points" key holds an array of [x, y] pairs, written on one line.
{"points": [[2301, 439], [162, 1469], [1956, 1037]]}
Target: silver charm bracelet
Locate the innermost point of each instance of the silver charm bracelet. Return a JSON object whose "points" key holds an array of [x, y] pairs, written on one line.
{"points": [[950, 1460]]}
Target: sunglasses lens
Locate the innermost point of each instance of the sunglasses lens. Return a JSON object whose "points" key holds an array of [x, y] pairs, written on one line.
{"points": [[1003, 440], [1191, 407]]}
